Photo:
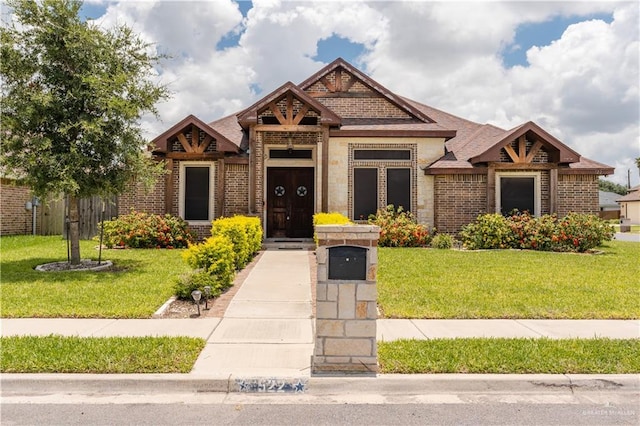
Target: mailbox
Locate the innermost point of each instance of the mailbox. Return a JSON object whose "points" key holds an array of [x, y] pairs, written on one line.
{"points": [[347, 263]]}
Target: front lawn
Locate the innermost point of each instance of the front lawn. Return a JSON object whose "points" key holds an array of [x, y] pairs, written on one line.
{"points": [[140, 283], [99, 355], [510, 356], [430, 283]]}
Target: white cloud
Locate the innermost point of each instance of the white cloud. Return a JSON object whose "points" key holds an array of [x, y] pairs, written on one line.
{"points": [[583, 87]]}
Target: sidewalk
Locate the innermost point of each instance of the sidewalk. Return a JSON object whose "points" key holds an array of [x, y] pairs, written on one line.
{"points": [[267, 330]]}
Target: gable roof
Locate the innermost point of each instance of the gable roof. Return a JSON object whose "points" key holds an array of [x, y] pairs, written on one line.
{"points": [[469, 145], [562, 153], [161, 143], [250, 115], [396, 100]]}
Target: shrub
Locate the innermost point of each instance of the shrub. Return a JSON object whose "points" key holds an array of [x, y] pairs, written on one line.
{"points": [[581, 232], [574, 232], [244, 232], [399, 229], [332, 218], [442, 241], [532, 233], [488, 231], [144, 230], [197, 279], [214, 256]]}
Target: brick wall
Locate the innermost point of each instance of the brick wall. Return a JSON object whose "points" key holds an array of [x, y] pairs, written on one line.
{"points": [[236, 189], [15, 219], [577, 193], [458, 200], [138, 199]]}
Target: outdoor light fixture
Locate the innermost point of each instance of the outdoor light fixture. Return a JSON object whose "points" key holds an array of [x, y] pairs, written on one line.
{"points": [[197, 294], [207, 293], [289, 142]]}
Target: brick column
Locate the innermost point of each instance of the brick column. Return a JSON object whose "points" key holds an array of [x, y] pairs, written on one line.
{"points": [[346, 309]]}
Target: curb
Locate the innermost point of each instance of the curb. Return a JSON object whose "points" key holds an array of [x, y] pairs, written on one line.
{"points": [[31, 384]]}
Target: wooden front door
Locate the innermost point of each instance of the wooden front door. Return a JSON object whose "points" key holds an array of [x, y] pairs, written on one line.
{"points": [[290, 196]]}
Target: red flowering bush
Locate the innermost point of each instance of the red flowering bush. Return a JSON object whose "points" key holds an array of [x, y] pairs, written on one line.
{"points": [[581, 232], [144, 230], [574, 232], [532, 233], [399, 229]]}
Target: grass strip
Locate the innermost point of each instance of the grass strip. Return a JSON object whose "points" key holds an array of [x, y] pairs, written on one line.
{"points": [[101, 355], [511, 356], [429, 283]]}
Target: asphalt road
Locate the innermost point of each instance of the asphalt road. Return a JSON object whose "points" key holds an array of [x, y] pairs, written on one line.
{"points": [[545, 408], [302, 414]]}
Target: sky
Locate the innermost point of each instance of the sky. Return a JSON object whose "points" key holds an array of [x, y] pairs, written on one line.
{"points": [[572, 67]]}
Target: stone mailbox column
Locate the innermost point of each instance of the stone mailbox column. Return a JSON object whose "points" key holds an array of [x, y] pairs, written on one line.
{"points": [[346, 296]]}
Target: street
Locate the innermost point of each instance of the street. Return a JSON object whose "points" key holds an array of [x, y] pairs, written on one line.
{"points": [[552, 407]]}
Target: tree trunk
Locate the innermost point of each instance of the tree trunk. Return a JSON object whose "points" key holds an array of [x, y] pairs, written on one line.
{"points": [[74, 229]]}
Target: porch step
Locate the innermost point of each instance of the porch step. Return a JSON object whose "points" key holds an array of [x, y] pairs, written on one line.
{"points": [[288, 244]]}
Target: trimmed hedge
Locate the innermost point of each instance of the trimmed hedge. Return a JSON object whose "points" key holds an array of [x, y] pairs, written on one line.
{"points": [[332, 218], [575, 232], [244, 232], [231, 247]]}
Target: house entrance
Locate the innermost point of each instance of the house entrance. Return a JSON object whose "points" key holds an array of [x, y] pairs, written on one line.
{"points": [[290, 202]]}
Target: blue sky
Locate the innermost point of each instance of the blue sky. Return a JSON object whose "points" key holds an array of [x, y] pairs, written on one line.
{"points": [[570, 66]]}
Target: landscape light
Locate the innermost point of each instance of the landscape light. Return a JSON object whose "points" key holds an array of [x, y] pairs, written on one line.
{"points": [[197, 294]]}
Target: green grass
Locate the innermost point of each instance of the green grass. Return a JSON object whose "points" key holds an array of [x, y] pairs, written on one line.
{"points": [[510, 356], [428, 283], [141, 282], [58, 354]]}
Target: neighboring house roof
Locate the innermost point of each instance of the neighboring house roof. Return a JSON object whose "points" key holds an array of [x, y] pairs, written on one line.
{"points": [[608, 199], [633, 195]]}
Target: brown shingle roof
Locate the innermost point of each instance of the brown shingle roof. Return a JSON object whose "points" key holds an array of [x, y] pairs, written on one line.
{"points": [[631, 196], [466, 143]]}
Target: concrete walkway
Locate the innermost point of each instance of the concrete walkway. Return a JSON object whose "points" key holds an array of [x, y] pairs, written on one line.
{"points": [[267, 329]]}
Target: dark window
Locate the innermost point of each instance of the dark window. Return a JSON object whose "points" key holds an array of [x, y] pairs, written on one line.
{"points": [[290, 153], [399, 188], [269, 119], [365, 193], [196, 193], [517, 193], [382, 154]]}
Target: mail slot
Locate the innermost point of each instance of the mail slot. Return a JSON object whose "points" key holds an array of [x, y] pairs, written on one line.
{"points": [[347, 263]]}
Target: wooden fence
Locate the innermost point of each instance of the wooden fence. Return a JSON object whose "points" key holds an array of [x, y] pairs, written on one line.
{"points": [[52, 216]]}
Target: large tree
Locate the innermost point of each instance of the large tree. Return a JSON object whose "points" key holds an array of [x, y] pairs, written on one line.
{"points": [[72, 98]]}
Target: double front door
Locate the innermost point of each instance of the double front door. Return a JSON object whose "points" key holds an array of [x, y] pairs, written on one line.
{"points": [[290, 196]]}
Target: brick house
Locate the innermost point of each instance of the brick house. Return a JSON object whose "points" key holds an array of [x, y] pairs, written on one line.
{"points": [[340, 141]]}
